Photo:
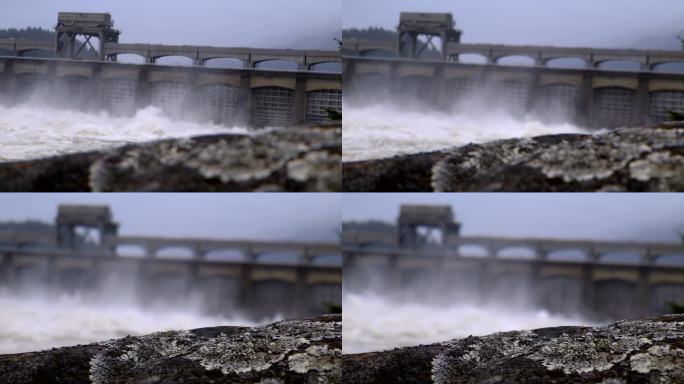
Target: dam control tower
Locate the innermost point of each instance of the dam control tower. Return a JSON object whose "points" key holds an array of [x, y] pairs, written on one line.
{"points": [[71, 218], [75, 30], [413, 25], [436, 219]]}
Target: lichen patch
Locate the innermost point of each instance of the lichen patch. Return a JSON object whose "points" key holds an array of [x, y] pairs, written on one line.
{"points": [[660, 358]]}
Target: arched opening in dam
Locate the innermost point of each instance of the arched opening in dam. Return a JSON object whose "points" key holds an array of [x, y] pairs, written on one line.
{"points": [[566, 62], [516, 60], [669, 67], [472, 58], [174, 60], [278, 64], [619, 65], [331, 66], [130, 58], [224, 62]]}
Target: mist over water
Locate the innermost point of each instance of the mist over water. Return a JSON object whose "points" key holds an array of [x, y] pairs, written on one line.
{"points": [[28, 132], [374, 322], [31, 322], [386, 130]]}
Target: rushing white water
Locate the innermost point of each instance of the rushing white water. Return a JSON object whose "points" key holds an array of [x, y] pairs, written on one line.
{"points": [[379, 131], [28, 132], [374, 323], [31, 323]]}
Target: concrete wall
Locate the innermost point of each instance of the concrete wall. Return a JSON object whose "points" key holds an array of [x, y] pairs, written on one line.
{"points": [[597, 290], [260, 289], [229, 96], [590, 97]]}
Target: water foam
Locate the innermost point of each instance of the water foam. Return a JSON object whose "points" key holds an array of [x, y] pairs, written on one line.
{"points": [[374, 323], [28, 132], [380, 131], [31, 323]]}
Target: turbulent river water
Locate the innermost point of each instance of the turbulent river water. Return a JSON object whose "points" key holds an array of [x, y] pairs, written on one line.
{"points": [[379, 131], [374, 323], [30, 323], [28, 132]]}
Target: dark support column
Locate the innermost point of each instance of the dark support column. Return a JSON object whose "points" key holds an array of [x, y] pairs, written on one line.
{"points": [[193, 101], [533, 87], [193, 279], [101, 36], [51, 270], [7, 271], [587, 100], [348, 75], [348, 268], [97, 99], [142, 96], [96, 273], [589, 289], [144, 280], [300, 99], [245, 98], [535, 286], [437, 95], [9, 82], [486, 279], [393, 273], [394, 81], [198, 252], [246, 291], [51, 75], [644, 293], [302, 300], [150, 251], [641, 117]]}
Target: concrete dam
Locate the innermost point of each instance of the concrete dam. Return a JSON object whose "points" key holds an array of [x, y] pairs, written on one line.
{"points": [[261, 278], [248, 94], [598, 279], [592, 93]]}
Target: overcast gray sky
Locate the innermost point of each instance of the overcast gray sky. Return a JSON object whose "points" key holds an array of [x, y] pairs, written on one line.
{"points": [[633, 216], [293, 216], [253, 23], [560, 22]]}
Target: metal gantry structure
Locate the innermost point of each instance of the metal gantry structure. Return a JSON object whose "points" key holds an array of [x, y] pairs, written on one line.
{"points": [[74, 32], [413, 25]]}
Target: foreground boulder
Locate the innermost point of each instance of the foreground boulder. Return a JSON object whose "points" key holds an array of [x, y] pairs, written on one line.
{"points": [[296, 351], [305, 159], [628, 159], [637, 351]]}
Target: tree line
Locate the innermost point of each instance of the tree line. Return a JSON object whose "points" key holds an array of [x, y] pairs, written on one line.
{"points": [[28, 33]]}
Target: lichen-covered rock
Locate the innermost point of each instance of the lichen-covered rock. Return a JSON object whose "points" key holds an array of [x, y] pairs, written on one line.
{"points": [[304, 159], [629, 159], [631, 351], [294, 351]]}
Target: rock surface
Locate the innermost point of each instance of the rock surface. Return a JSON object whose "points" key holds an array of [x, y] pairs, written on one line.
{"points": [[295, 351], [636, 351], [628, 159], [305, 159]]}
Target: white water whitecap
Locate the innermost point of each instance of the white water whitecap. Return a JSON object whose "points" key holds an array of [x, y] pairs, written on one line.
{"points": [[28, 132], [375, 323], [32, 323], [380, 131]]}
